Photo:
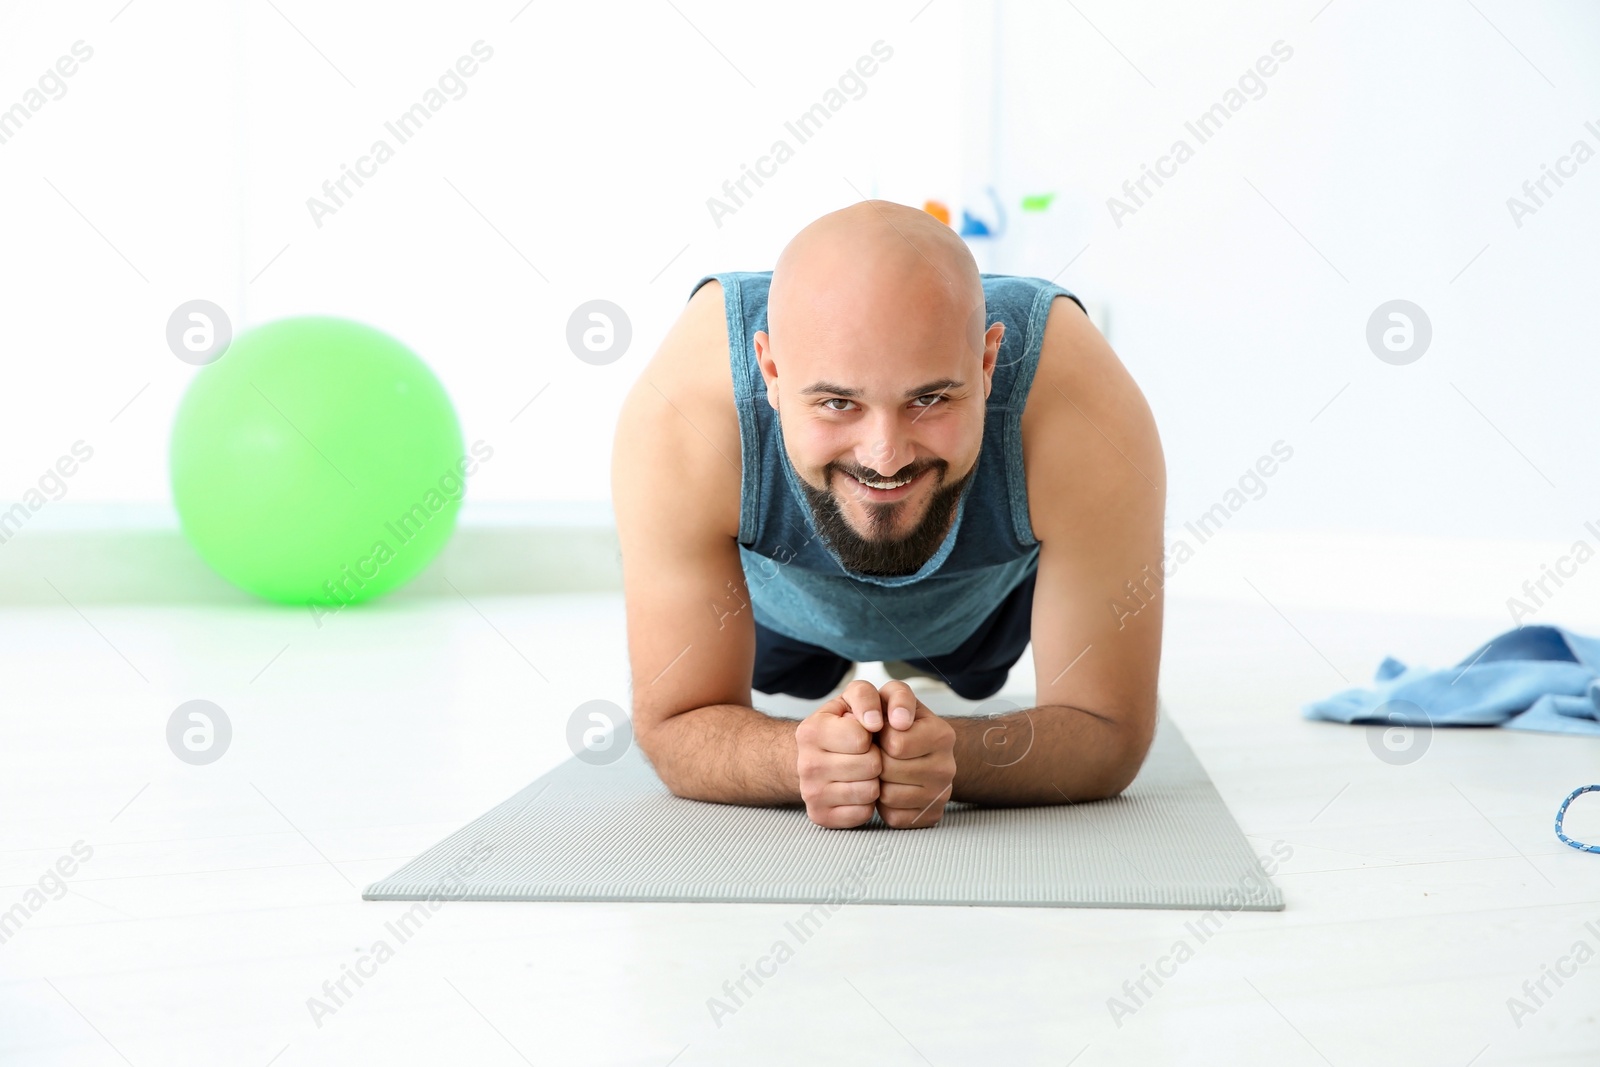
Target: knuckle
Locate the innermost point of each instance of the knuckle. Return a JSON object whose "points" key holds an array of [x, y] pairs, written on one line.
{"points": [[844, 816], [823, 815]]}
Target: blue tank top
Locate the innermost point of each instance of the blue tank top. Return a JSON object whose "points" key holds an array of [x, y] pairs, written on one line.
{"points": [[798, 585]]}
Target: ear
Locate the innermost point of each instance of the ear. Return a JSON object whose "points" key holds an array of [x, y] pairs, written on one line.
{"points": [[767, 365], [991, 355]]}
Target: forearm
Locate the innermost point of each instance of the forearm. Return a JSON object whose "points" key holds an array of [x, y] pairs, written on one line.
{"points": [[1054, 754], [726, 753]]}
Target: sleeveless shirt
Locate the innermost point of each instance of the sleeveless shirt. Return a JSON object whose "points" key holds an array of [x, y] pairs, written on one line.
{"points": [[797, 584]]}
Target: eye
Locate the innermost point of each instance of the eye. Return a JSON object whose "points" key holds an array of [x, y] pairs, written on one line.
{"points": [[935, 396], [833, 399]]}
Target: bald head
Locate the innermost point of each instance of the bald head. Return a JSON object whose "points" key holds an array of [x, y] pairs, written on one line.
{"points": [[872, 268]]}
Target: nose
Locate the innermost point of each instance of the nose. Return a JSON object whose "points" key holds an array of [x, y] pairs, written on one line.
{"points": [[889, 447]]}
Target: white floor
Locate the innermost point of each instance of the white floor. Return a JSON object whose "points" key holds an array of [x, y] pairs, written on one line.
{"points": [[220, 898]]}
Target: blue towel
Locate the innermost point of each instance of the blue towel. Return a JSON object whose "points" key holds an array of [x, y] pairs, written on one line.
{"points": [[1542, 678]]}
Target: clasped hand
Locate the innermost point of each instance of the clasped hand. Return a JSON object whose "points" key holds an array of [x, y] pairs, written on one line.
{"points": [[870, 749]]}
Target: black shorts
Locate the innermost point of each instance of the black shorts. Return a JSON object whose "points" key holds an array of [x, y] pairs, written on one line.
{"points": [[976, 670]]}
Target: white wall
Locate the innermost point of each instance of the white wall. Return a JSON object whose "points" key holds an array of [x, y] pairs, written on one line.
{"points": [[589, 143], [591, 140], [1390, 141]]}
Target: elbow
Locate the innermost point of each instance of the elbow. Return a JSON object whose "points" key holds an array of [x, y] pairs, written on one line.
{"points": [[655, 754], [658, 752], [677, 786], [1122, 765]]}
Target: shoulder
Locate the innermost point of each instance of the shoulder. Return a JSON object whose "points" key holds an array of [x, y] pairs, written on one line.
{"points": [[1089, 438], [678, 425]]}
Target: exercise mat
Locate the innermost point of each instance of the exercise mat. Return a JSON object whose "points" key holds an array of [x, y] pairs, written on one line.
{"points": [[612, 831]]}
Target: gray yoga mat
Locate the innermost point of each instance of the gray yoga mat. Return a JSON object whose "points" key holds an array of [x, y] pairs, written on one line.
{"points": [[614, 832]]}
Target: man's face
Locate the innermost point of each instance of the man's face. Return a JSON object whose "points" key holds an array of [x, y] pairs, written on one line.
{"points": [[911, 417]]}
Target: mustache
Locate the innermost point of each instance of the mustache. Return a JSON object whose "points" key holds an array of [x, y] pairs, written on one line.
{"points": [[904, 472]]}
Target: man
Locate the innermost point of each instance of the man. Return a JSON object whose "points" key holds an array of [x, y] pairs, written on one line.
{"points": [[874, 453]]}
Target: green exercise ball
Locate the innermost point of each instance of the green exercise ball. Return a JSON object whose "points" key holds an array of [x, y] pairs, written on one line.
{"points": [[318, 461]]}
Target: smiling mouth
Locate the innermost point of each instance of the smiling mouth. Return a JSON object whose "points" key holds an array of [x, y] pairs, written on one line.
{"points": [[885, 489], [882, 484]]}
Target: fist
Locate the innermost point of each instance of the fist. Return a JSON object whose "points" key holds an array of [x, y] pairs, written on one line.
{"points": [[918, 764], [837, 761]]}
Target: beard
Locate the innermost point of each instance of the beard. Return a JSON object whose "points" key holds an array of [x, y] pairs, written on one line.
{"points": [[880, 553]]}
